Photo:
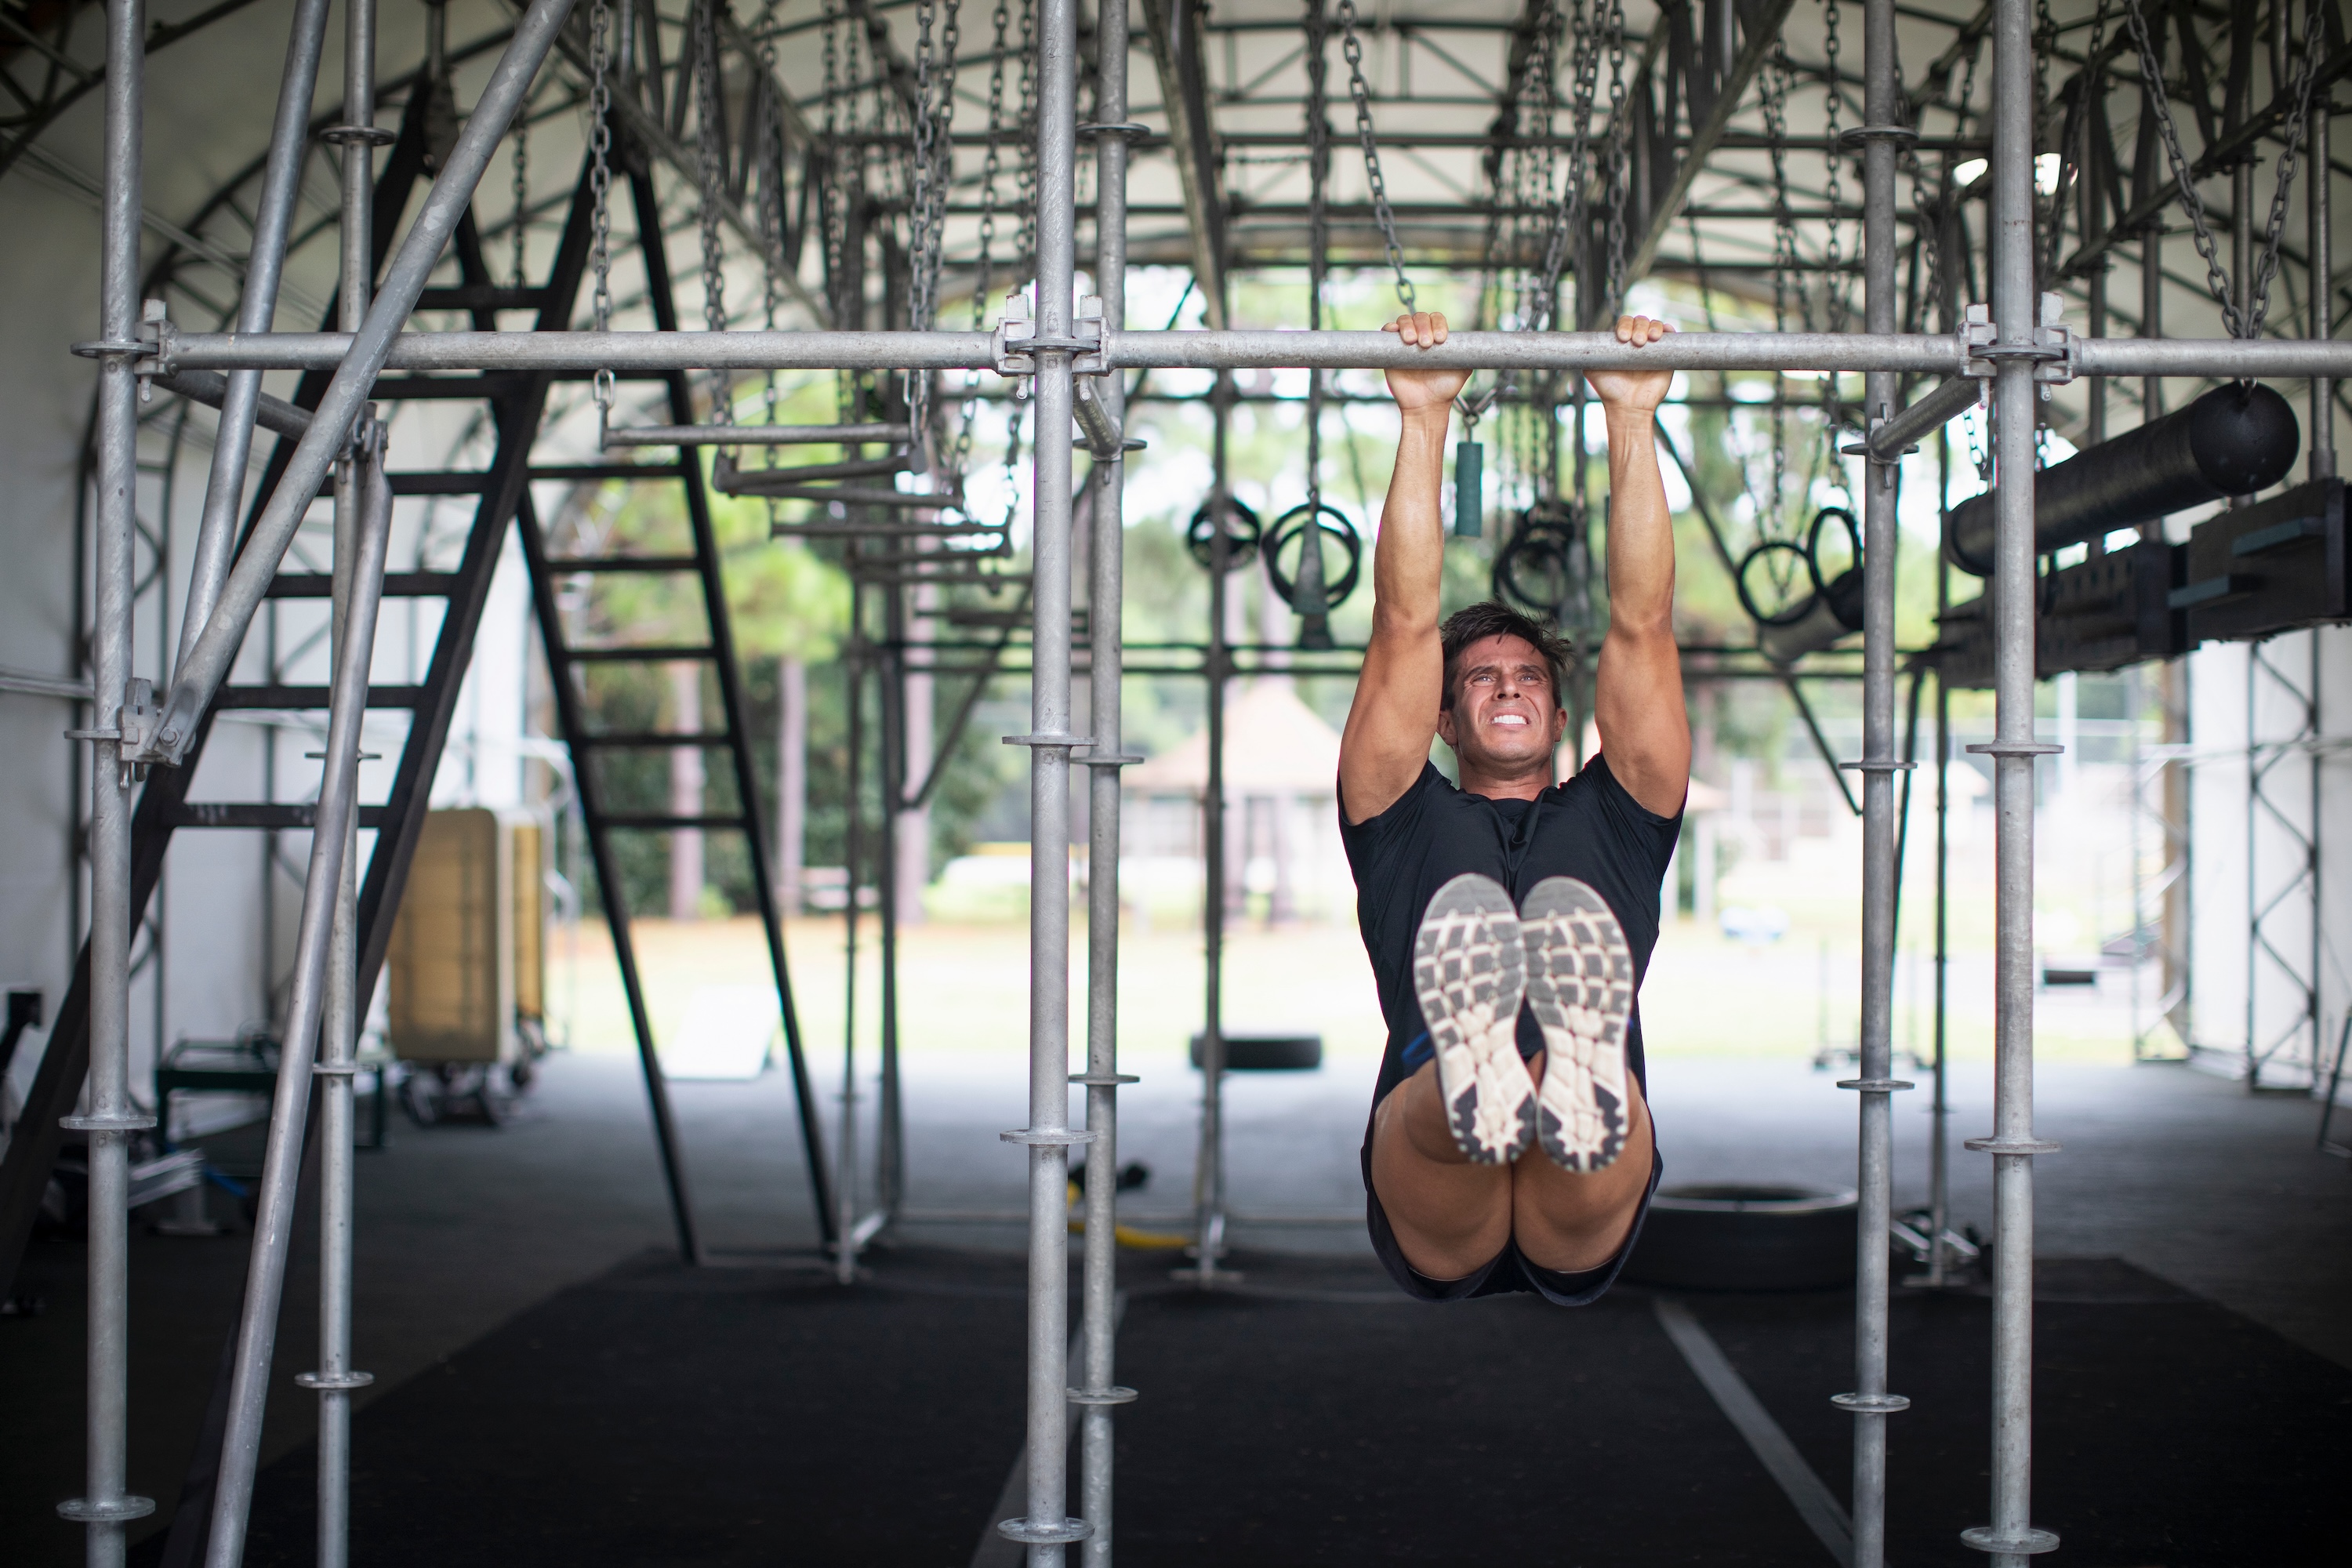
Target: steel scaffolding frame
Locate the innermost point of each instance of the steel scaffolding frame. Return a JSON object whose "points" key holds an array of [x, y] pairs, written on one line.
{"points": [[2019, 346]]}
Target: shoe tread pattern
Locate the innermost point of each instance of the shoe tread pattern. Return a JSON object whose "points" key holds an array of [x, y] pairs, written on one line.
{"points": [[1581, 988], [1470, 975]]}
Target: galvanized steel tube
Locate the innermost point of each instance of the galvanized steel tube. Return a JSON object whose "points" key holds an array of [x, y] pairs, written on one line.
{"points": [[1106, 547], [1046, 1526], [2320, 256], [1874, 1176], [104, 1507], [2010, 1538], [356, 363], [273, 1226], [265, 265]]}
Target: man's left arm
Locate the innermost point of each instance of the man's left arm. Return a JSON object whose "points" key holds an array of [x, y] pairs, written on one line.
{"points": [[1638, 688]]}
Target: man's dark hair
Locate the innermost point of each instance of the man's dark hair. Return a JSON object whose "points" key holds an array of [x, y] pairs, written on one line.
{"points": [[1495, 619]]}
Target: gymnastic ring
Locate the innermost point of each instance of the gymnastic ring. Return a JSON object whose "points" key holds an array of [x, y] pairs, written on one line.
{"points": [[1334, 524], [1798, 608], [1242, 535], [1526, 544], [1813, 544]]}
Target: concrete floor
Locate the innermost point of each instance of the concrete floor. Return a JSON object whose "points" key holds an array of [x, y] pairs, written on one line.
{"points": [[463, 1226]]}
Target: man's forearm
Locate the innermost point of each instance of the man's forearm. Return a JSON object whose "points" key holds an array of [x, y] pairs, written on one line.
{"points": [[1641, 531], [1408, 561]]}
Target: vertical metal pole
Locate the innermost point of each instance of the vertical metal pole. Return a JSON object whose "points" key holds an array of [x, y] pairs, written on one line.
{"points": [[890, 688], [362, 510], [2151, 325], [1208, 1167], [274, 1223], [2323, 269], [265, 265], [845, 1164], [1939, 1183], [1046, 1527], [1098, 1319], [361, 484], [2010, 1538], [104, 1507], [1874, 1178]]}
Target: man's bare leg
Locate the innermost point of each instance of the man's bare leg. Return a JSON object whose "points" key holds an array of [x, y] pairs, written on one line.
{"points": [[1450, 1216]]}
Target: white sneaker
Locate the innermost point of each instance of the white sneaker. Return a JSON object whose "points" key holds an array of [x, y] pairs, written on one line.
{"points": [[1580, 984], [1470, 974]]}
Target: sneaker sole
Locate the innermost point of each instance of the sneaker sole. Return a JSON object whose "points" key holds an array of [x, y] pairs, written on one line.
{"points": [[1470, 974], [1580, 986]]}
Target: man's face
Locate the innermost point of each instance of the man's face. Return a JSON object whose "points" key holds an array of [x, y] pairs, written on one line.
{"points": [[1506, 715]]}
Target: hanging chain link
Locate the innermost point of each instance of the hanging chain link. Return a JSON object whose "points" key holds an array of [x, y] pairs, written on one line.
{"points": [[2247, 323], [1567, 218], [600, 185], [1026, 249], [1318, 248], [1621, 154], [521, 188], [711, 170], [1353, 49], [1833, 296]]}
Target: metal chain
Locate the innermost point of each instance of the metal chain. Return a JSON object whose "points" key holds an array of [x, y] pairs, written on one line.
{"points": [[772, 225], [600, 186], [1620, 155], [2201, 230], [1002, 20], [1318, 248], [521, 190], [1775, 100], [1569, 216], [2306, 79], [1833, 299], [1352, 47], [922, 280], [711, 170], [1026, 251]]}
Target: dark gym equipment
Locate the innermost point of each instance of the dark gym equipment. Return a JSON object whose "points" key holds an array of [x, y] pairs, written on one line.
{"points": [[1539, 566], [1242, 534], [1832, 610], [1265, 1052], [2235, 440]]}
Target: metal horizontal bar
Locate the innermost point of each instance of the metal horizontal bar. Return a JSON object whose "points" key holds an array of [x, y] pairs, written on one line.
{"points": [[297, 698], [481, 297], [576, 471], [1237, 349], [396, 586], [1930, 413], [30, 684], [460, 483], [626, 563], [210, 388], [651, 737], [751, 434], [651, 653], [259, 814]]}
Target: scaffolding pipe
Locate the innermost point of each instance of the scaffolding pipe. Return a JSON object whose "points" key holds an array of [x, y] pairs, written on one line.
{"points": [[2010, 1538], [1046, 1526], [357, 362], [265, 265], [1870, 1402], [1209, 1163], [1096, 1395], [273, 1226], [637, 353], [2320, 256], [105, 1507]]}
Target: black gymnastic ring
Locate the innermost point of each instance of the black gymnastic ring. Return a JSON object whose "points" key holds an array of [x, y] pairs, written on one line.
{"points": [[1533, 536], [1797, 609], [1333, 523], [1240, 539], [1813, 545]]}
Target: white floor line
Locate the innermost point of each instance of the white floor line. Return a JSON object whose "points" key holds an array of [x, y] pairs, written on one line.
{"points": [[1812, 1498]]}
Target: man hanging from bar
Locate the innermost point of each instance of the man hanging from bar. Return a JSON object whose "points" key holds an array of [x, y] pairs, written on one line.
{"points": [[1509, 919]]}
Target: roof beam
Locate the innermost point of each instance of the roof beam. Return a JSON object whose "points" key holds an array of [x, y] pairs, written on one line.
{"points": [[1179, 51]]}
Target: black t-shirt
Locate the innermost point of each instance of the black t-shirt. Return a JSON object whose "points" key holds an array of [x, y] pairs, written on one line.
{"points": [[1588, 827]]}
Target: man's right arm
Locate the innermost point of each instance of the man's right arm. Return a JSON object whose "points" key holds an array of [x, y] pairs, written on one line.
{"points": [[1394, 716]]}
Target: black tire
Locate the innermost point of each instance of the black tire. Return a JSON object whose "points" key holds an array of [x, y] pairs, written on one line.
{"points": [[1747, 1237]]}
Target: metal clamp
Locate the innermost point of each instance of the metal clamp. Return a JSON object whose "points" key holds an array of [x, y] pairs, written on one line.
{"points": [[1111, 1395], [1111, 759], [1864, 133], [1030, 1534], [1100, 434], [1049, 741], [1984, 1538], [1050, 1138], [2012, 1146], [1104, 1079], [1866, 766], [1877, 1085], [134, 1122], [1871, 1403], [1125, 128], [334, 1383], [335, 1070], [116, 1510], [2016, 748], [1015, 343], [2054, 348]]}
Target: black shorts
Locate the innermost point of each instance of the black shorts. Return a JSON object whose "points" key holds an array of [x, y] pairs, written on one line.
{"points": [[1509, 1272]]}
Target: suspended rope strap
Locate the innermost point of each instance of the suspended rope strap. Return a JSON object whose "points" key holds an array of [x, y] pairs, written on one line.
{"points": [[1359, 89]]}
